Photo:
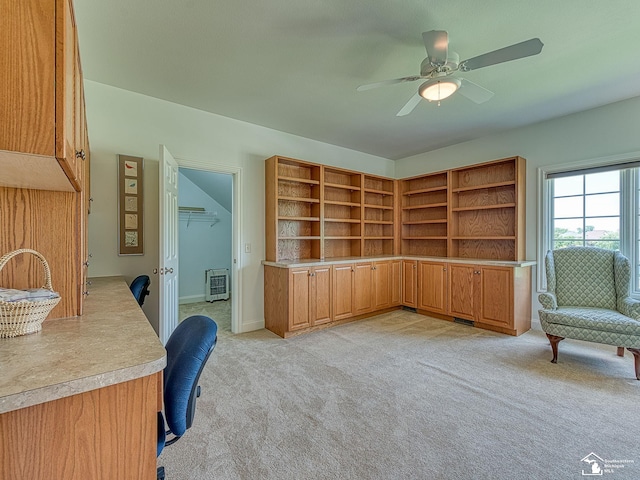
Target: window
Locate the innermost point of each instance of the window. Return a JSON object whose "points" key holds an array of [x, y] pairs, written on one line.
{"points": [[586, 211], [593, 206]]}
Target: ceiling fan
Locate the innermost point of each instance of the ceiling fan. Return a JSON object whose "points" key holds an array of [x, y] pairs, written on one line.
{"points": [[438, 67]]}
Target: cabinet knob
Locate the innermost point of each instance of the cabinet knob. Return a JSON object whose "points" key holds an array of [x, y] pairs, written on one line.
{"points": [[444, 269], [81, 154], [415, 266]]}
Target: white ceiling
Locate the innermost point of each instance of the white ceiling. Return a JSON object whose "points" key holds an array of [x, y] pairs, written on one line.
{"points": [[294, 65]]}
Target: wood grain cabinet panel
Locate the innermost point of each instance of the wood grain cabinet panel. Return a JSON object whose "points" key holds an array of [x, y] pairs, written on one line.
{"points": [[343, 279], [363, 294], [40, 91], [461, 291], [410, 283], [396, 282], [432, 286], [299, 297], [110, 432], [321, 295], [496, 296]]}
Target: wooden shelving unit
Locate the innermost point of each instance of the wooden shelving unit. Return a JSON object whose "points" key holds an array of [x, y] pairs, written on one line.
{"points": [[293, 212], [487, 210], [379, 205], [316, 212], [424, 214], [342, 213]]}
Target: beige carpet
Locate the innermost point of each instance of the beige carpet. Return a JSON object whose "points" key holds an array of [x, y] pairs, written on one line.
{"points": [[403, 396]]}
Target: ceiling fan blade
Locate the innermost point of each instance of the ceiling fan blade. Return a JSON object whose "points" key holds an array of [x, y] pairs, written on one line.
{"points": [[437, 44], [369, 86], [409, 106], [506, 54], [474, 92]]}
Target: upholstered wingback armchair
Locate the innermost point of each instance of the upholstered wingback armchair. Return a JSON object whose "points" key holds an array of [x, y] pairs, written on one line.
{"points": [[588, 299]]}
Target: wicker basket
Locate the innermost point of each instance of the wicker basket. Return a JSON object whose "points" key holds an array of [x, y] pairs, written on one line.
{"points": [[20, 318]]}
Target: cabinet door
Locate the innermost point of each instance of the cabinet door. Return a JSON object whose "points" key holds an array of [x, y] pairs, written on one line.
{"points": [[409, 283], [320, 295], [66, 73], [461, 290], [432, 286], [299, 295], [362, 288], [496, 296], [396, 282], [381, 285], [342, 291]]}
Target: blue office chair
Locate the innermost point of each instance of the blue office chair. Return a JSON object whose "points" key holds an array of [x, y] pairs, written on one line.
{"points": [[188, 350], [140, 288]]}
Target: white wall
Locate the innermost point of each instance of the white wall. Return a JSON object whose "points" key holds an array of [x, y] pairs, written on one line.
{"points": [[601, 132], [202, 244], [124, 122]]}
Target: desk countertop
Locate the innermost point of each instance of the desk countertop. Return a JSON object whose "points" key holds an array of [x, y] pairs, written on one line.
{"points": [[112, 342]]}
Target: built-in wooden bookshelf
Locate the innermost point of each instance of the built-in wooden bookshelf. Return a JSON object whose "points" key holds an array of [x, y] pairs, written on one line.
{"points": [[342, 213], [487, 210], [315, 211], [379, 223], [424, 215], [293, 213]]}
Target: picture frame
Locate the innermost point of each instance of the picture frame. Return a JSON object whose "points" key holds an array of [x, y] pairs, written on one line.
{"points": [[130, 205]]}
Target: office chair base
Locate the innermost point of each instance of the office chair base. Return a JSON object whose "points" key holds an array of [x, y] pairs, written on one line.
{"points": [[160, 473]]}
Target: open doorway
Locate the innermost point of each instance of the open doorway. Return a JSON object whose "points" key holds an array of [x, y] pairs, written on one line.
{"points": [[205, 238]]}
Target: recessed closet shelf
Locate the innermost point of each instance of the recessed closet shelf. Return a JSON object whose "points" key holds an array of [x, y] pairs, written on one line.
{"points": [[299, 219], [298, 180], [346, 204], [299, 199], [342, 186], [342, 220], [430, 205], [425, 190], [483, 207], [484, 186], [379, 207]]}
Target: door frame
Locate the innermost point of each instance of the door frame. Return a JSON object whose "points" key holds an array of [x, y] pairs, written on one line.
{"points": [[236, 237]]}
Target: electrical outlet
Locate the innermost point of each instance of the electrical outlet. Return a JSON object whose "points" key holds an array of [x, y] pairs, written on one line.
{"points": [[247, 248]]}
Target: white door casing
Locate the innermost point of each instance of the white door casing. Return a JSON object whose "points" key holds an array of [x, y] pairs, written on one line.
{"points": [[168, 229]]}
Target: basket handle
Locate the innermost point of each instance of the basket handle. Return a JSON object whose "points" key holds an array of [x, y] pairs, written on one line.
{"points": [[47, 272]]}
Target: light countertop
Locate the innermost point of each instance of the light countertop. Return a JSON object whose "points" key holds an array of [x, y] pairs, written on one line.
{"points": [[112, 342], [314, 262]]}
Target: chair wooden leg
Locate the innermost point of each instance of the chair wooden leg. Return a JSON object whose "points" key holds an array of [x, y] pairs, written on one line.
{"points": [[636, 356], [553, 340], [621, 351]]}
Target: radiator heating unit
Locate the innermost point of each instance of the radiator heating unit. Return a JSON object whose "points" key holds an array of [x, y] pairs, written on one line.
{"points": [[217, 284]]}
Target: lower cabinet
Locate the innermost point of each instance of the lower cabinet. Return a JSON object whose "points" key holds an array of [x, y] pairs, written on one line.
{"points": [[410, 283], [343, 280], [309, 297], [297, 299], [432, 286], [491, 296]]}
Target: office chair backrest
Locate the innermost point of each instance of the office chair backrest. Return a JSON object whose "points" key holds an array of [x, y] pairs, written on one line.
{"points": [[140, 288], [188, 350]]}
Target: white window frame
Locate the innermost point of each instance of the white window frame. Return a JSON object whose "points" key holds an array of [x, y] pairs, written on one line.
{"points": [[628, 212]]}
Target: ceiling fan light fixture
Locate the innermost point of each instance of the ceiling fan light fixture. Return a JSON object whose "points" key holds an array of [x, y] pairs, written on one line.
{"points": [[438, 89]]}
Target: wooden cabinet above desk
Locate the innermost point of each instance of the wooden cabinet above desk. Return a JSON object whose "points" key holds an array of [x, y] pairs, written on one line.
{"points": [[42, 121]]}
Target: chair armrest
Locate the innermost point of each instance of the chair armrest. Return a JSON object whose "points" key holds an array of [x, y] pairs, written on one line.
{"points": [[630, 307], [548, 301]]}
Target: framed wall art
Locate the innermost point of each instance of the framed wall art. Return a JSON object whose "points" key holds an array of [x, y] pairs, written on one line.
{"points": [[130, 205]]}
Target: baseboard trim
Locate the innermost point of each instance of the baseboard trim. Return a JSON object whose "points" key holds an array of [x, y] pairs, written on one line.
{"points": [[191, 299]]}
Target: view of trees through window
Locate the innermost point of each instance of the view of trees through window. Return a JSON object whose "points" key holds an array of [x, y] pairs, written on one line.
{"points": [[586, 210]]}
